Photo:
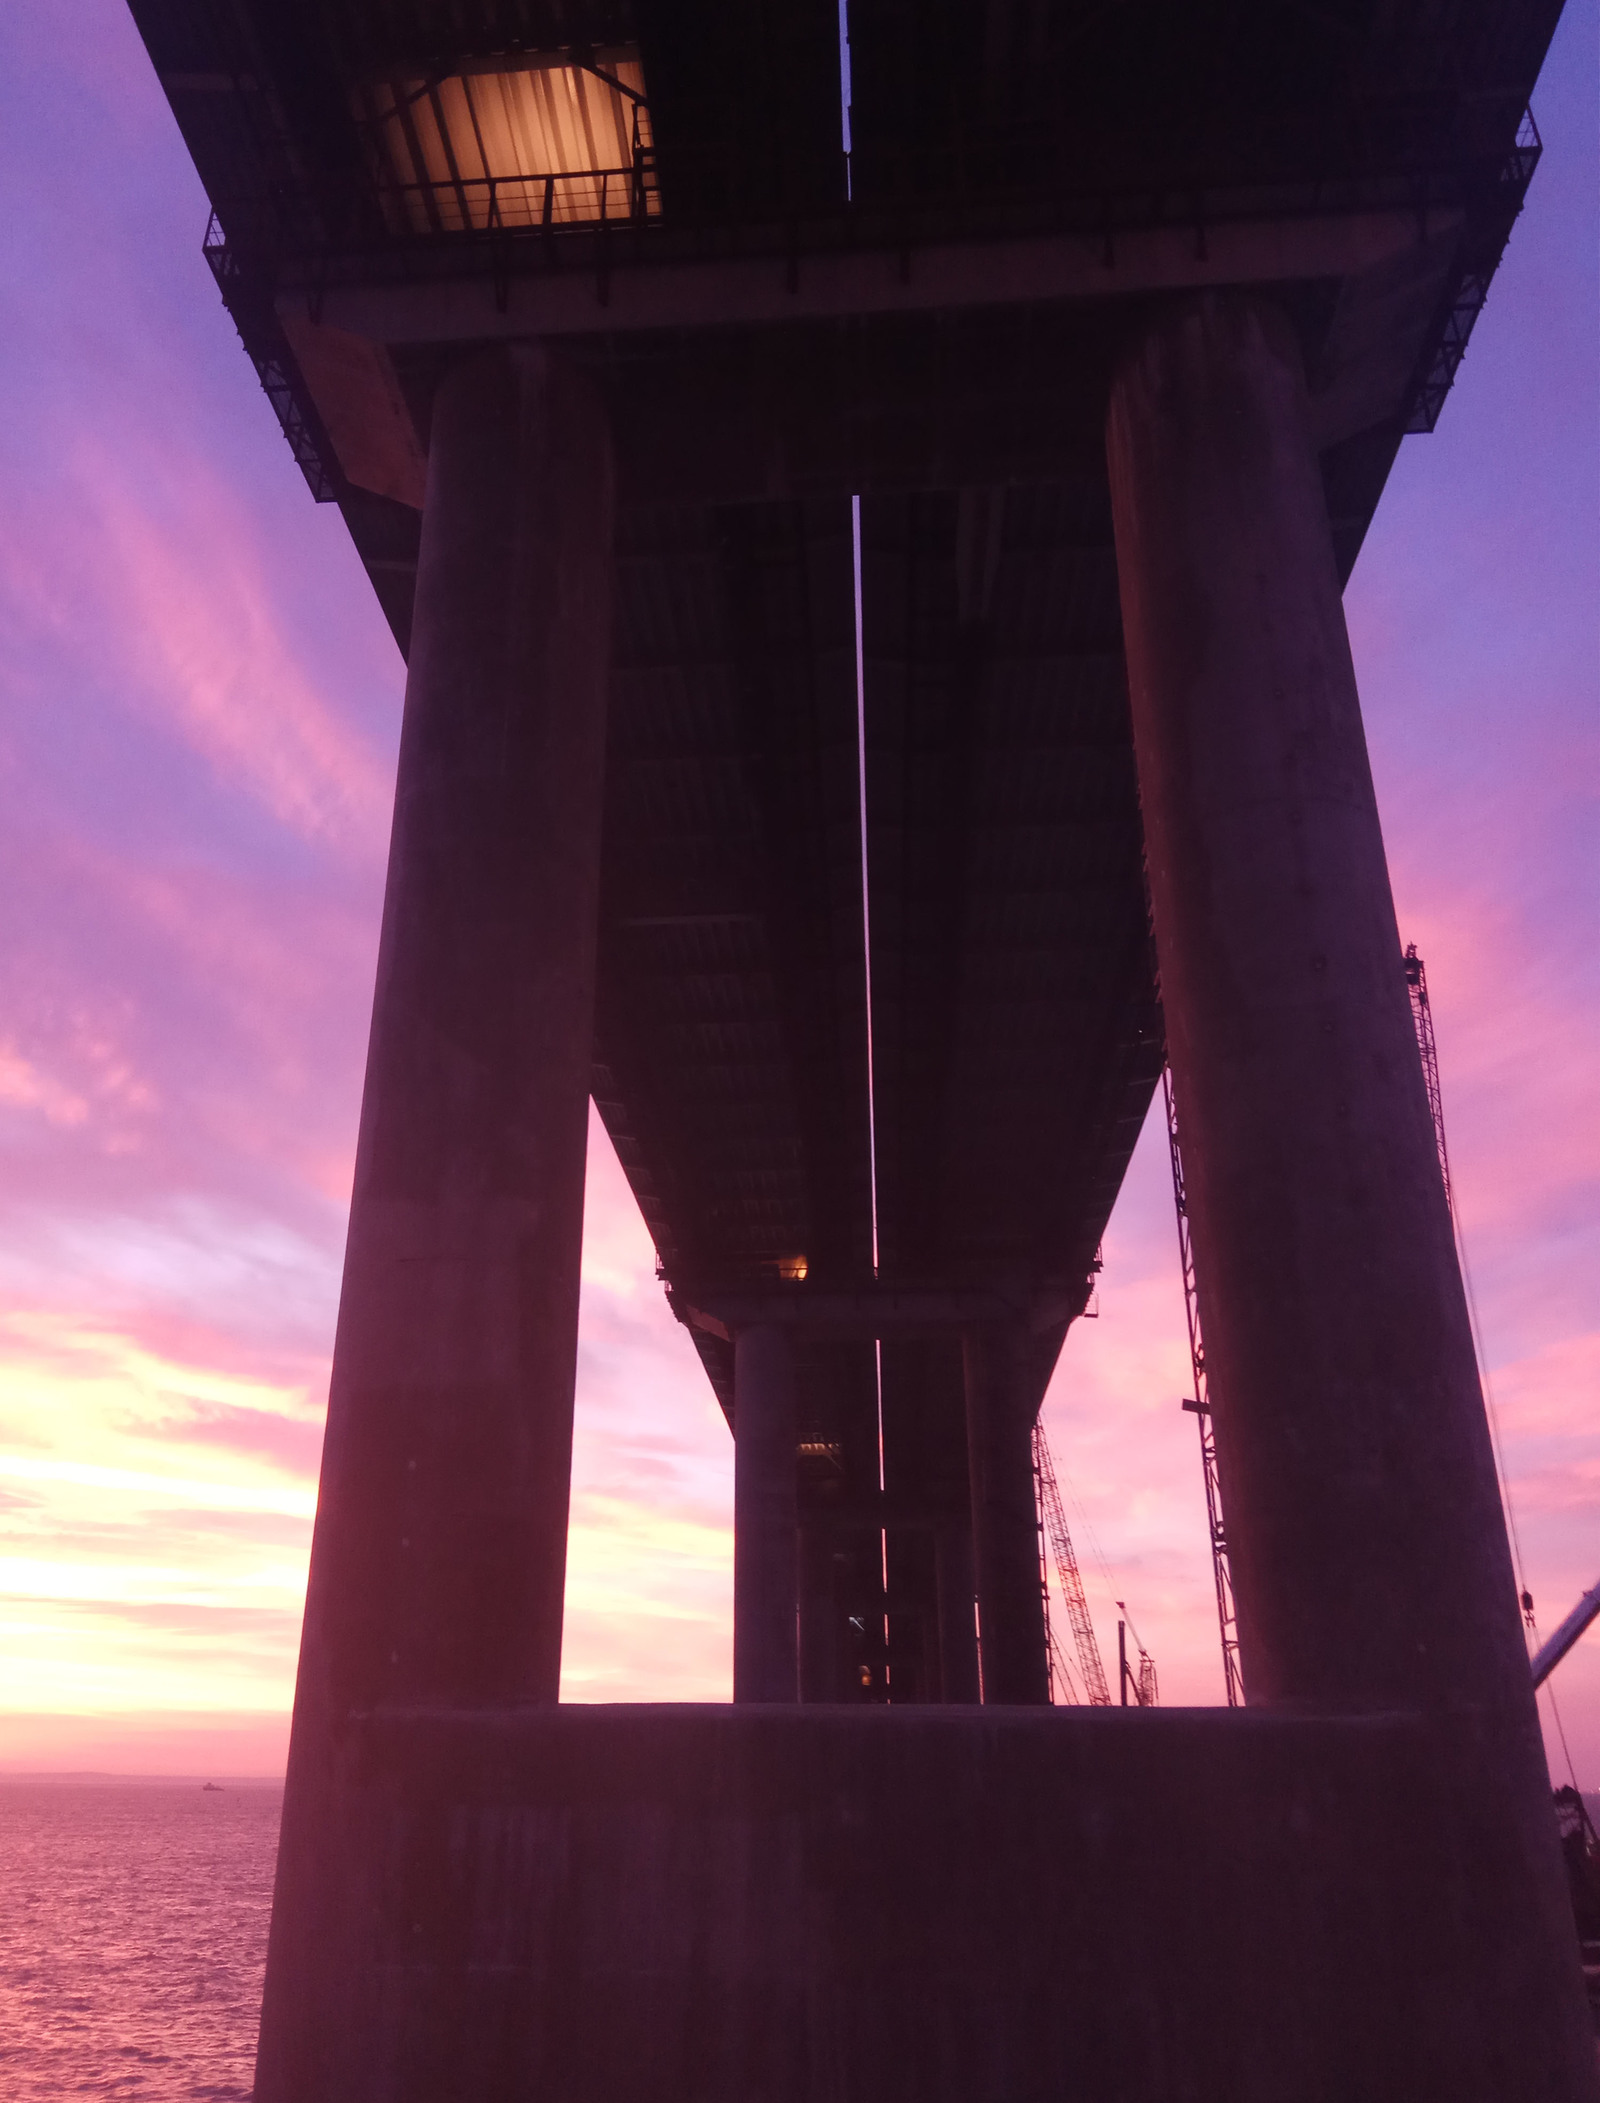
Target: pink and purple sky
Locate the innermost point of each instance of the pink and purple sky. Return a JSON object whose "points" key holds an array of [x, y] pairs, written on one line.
{"points": [[199, 706]]}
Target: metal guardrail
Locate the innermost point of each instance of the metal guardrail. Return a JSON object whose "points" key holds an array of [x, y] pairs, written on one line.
{"points": [[262, 338], [523, 203], [1472, 289]]}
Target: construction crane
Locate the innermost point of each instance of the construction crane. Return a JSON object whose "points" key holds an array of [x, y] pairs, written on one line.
{"points": [[1548, 1655], [1053, 1532], [1422, 1019], [1142, 1684], [1199, 1404]]}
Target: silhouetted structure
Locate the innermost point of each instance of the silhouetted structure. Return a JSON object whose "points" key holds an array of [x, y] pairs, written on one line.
{"points": [[1112, 320]]}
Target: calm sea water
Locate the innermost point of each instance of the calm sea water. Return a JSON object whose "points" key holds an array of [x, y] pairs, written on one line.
{"points": [[133, 1934]]}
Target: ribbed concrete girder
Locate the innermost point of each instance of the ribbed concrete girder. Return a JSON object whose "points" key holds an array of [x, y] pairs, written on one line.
{"points": [[1015, 1034]]}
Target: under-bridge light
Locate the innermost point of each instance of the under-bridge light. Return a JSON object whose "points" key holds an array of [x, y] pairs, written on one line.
{"points": [[542, 144]]}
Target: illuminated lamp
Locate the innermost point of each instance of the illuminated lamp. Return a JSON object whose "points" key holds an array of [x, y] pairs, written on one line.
{"points": [[540, 144]]}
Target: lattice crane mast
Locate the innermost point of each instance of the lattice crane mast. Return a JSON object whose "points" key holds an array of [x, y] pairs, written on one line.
{"points": [[1053, 1531], [1422, 1020], [1141, 1684], [1551, 1653], [1199, 1404]]}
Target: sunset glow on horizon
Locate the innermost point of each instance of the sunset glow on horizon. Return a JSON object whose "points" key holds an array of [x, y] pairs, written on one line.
{"points": [[197, 745]]}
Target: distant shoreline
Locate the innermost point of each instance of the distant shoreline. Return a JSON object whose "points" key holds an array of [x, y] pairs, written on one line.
{"points": [[108, 1776]]}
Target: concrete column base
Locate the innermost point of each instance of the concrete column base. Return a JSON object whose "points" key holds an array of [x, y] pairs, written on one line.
{"points": [[869, 1905]]}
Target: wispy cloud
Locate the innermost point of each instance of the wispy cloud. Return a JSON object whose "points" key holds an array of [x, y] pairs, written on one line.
{"points": [[173, 614]]}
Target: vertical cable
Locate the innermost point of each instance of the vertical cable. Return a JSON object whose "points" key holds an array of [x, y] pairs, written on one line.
{"points": [[1427, 1045], [866, 900], [844, 93], [866, 958], [1561, 1733], [1428, 1049]]}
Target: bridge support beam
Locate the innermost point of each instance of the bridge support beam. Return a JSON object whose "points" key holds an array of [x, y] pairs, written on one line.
{"points": [[439, 1559], [766, 1546], [1368, 1549], [1001, 1399]]}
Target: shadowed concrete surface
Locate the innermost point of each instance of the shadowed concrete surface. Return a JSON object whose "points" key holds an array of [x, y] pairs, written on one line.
{"points": [[691, 1904]]}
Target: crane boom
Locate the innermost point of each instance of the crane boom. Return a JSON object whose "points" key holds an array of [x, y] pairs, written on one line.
{"points": [[1053, 1521], [1549, 1655]]}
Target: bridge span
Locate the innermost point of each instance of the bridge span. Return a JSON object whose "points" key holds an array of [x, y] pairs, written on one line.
{"points": [[866, 524]]}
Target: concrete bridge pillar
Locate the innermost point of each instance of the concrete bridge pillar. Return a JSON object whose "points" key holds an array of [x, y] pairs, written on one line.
{"points": [[766, 1542], [1001, 1400], [958, 1636], [1368, 1549], [820, 1650], [439, 1556]]}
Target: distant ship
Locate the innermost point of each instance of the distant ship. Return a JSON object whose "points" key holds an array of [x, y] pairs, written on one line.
{"points": [[217, 1786]]}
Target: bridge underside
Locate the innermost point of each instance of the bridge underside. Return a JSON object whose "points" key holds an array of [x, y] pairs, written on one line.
{"points": [[1015, 1032]]}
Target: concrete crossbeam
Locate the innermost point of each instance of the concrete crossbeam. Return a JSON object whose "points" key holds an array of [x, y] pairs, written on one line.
{"points": [[878, 1311], [847, 282]]}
